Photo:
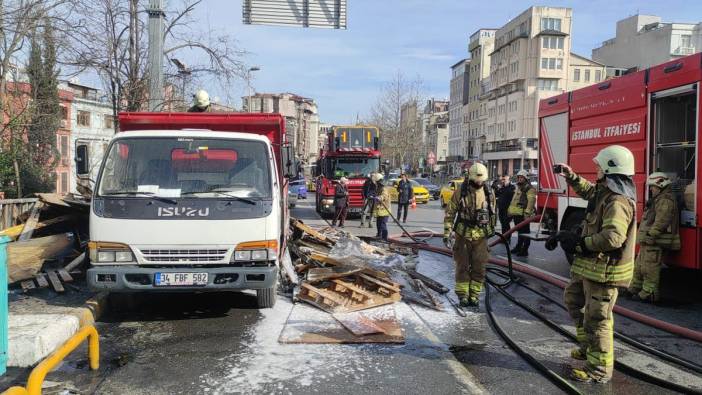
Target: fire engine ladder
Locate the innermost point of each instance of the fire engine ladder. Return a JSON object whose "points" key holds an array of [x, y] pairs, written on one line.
{"points": [[539, 235]]}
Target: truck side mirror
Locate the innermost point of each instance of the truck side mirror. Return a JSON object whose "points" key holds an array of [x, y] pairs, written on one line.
{"points": [[82, 160], [288, 160]]}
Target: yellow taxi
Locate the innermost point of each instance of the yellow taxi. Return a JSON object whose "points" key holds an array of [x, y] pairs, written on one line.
{"points": [[421, 194], [448, 189]]}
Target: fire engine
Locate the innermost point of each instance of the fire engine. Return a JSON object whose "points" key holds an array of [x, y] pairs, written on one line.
{"points": [[656, 114], [352, 152]]}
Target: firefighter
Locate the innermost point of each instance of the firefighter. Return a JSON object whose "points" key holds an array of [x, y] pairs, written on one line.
{"points": [[470, 214], [603, 258], [658, 233], [368, 194], [341, 201], [381, 210], [522, 206], [201, 102]]}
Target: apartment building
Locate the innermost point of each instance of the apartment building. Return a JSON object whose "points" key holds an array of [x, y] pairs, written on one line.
{"points": [[435, 122], [644, 40], [531, 60], [457, 100], [480, 45]]}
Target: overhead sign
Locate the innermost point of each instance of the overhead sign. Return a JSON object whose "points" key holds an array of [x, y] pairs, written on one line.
{"points": [[329, 14]]}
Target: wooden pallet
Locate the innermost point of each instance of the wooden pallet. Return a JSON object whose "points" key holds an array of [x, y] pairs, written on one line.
{"points": [[55, 278], [359, 292]]}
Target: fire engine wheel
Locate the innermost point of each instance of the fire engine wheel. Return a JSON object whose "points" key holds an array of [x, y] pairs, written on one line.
{"points": [[265, 298]]}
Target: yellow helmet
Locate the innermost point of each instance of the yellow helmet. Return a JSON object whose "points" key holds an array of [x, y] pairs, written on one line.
{"points": [[616, 159], [478, 173], [658, 179]]}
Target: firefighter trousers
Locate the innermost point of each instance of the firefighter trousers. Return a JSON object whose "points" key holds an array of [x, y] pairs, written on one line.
{"points": [[647, 272], [590, 306], [470, 257]]}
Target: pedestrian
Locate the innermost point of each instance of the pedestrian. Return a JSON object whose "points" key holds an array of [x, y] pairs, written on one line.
{"points": [[368, 195], [657, 235], [341, 201], [382, 207], [603, 258], [471, 217], [405, 194], [504, 193], [522, 206]]}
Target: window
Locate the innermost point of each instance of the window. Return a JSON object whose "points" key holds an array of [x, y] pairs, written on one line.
{"points": [[576, 75], [552, 63], [686, 41], [109, 121], [598, 75], [551, 24], [83, 118], [64, 183], [549, 42], [64, 113], [559, 63], [63, 149], [587, 76], [545, 84]]}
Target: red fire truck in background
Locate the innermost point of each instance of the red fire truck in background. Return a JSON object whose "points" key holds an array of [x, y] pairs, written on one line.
{"points": [[653, 112], [352, 152]]}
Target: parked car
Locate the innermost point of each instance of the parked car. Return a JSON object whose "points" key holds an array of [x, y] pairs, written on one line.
{"points": [[448, 189], [434, 190], [421, 194], [292, 197], [300, 187]]}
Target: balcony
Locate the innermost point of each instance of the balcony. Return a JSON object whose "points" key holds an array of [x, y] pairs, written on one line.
{"points": [[683, 51]]}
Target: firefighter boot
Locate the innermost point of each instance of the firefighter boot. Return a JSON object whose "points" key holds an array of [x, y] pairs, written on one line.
{"points": [[580, 353], [464, 301]]}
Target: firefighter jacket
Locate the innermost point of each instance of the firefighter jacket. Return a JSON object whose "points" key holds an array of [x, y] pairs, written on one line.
{"points": [[608, 233], [661, 221], [471, 212], [341, 195], [523, 201], [382, 206]]}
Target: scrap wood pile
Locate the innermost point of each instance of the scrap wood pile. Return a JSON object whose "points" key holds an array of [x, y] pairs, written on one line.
{"points": [[47, 242], [340, 273]]}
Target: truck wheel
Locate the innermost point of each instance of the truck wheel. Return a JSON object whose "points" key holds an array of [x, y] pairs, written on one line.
{"points": [[265, 298]]}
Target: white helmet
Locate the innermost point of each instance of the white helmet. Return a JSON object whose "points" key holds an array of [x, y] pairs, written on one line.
{"points": [[658, 179], [201, 98], [478, 173], [375, 177], [343, 180], [523, 173], [616, 159]]}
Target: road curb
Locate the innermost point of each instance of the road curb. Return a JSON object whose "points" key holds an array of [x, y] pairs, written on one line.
{"points": [[93, 309]]}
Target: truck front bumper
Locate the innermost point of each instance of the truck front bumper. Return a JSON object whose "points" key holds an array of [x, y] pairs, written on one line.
{"points": [[138, 278]]}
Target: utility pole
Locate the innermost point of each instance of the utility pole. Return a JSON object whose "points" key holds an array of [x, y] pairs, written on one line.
{"points": [[248, 81], [156, 30]]}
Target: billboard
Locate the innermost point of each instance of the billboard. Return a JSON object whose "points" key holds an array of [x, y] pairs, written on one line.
{"points": [[329, 14]]}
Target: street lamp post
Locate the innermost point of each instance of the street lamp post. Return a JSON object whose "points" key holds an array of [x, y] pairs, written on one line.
{"points": [[524, 139], [248, 80]]}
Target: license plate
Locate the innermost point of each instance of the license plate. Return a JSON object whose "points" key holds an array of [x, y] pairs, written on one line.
{"points": [[355, 210], [180, 279]]}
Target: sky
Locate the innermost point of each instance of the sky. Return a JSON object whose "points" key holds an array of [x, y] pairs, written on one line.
{"points": [[344, 70]]}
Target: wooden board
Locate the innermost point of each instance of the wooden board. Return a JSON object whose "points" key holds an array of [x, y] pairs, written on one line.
{"points": [[55, 283], [312, 232], [41, 280], [358, 323], [359, 293], [65, 277], [27, 285], [28, 228], [319, 274], [52, 198], [25, 258], [307, 325]]}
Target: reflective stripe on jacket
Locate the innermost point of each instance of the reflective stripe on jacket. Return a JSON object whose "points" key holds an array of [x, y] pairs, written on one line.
{"points": [[523, 201], [609, 233], [382, 207], [462, 212]]}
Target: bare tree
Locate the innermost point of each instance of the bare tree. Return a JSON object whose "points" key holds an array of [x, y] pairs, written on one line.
{"points": [[113, 43], [402, 144]]}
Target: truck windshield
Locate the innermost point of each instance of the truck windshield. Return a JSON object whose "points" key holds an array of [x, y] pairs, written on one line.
{"points": [[354, 167], [193, 167]]}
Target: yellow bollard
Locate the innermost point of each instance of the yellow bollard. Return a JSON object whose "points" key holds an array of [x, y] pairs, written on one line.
{"points": [[36, 378]]}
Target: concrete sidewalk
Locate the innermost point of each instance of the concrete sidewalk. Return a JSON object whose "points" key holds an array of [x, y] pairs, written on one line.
{"points": [[39, 322]]}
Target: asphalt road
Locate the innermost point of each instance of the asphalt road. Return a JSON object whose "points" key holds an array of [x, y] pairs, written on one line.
{"points": [[220, 343]]}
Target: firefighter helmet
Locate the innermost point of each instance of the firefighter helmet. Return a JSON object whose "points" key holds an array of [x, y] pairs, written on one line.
{"points": [[658, 179], [523, 173], [615, 159], [478, 173], [201, 99], [375, 177]]}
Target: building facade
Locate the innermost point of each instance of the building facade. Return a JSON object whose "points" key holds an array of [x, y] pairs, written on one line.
{"points": [[531, 60], [642, 41], [92, 123], [457, 100], [301, 120], [435, 124], [480, 45]]}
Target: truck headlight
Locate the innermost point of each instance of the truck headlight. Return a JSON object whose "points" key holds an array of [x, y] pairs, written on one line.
{"points": [[327, 202], [264, 250], [104, 252]]}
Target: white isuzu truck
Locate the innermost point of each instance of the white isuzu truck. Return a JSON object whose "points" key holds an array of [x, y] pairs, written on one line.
{"points": [[190, 202]]}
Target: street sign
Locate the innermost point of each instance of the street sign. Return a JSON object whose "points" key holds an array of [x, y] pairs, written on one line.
{"points": [[431, 158], [329, 14]]}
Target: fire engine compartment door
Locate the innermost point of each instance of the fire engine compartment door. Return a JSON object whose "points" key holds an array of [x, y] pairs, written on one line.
{"points": [[553, 149], [674, 114]]}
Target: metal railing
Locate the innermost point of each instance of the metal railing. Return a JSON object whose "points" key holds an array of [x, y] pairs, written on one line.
{"points": [[11, 209]]}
